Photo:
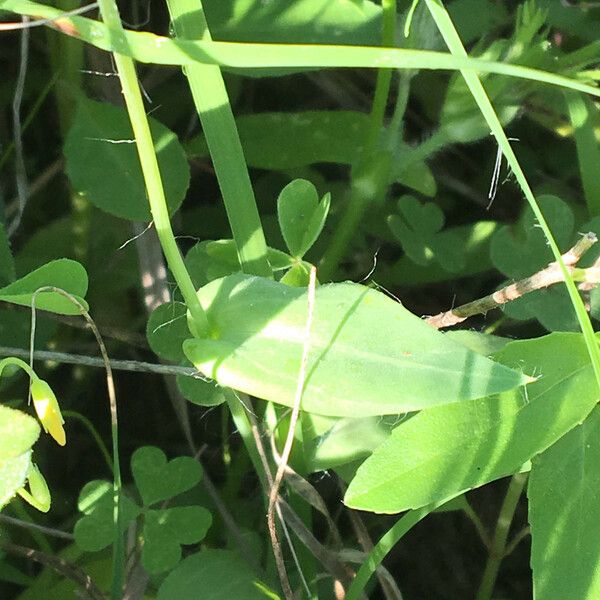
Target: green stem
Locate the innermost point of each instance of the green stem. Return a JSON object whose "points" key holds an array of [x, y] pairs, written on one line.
{"points": [[93, 432], [454, 43], [384, 76], [218, 123], [498, 547], [384, 546], [150, 170], [17, 362], [370, 176]]}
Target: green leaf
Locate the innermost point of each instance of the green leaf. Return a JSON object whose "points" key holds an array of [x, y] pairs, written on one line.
{"points": [[159, 480], [95, 530], [167, 329], [103, 166], [211, 260], [337, 442], [301, 215], [200, 392], [165, 531], [213, 575], [18, 432], [64, 274], [564, 491], [474, 240], [13, 474], [391, 360], [453, 448], [309, 21], [282, 141], [417, 228]]}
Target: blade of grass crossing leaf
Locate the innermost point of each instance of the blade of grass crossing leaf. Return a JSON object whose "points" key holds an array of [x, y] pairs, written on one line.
{"points": [[218, 124], [452, 39], [582, 113], [149, 48], [384, 546], [149, 163], [145, 146]]}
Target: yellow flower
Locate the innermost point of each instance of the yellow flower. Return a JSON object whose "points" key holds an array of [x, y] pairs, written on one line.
{"points": [[48, 411]]}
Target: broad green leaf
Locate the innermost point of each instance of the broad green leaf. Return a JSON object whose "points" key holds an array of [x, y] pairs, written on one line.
{"points": [[18, 432], [95, 530], [417, 227], [167, 329], [200, 392], [453, 448], [157, 479], [103, 164], [564, 493], [390, 359], [483, 343], [13, 474], [165, 531], [281, 141], [64, 274], [213, 575], [301, 215], [309, 21]]}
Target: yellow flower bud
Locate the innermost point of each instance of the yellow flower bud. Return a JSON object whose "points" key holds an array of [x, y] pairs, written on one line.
{"points": [[48, 411]]}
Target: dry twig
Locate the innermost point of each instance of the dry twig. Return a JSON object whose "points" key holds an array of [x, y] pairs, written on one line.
{"points": [[542, 279]]}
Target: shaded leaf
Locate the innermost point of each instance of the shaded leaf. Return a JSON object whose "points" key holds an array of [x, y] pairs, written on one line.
{"points": [[167, 329], [200, 392], [213, 575], [157, 479], [165, 531], [391, 360], [95, 530], [104, 167], [417, 228], [453, 448]]}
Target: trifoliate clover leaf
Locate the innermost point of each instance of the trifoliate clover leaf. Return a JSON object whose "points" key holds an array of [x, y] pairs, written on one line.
{"points": [[418, 227], [165, 531], [158, 480], [95, 530]]}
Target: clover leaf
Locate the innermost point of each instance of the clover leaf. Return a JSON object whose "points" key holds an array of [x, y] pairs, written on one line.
{"points": [[418, 227], [163, 530]]}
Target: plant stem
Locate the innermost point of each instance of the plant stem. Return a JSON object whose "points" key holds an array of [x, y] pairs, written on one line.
{"points": [[93, 432], [370, 176], [498, 547], [471, 77], [150, 169], [213, 107], [385, 545]]}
